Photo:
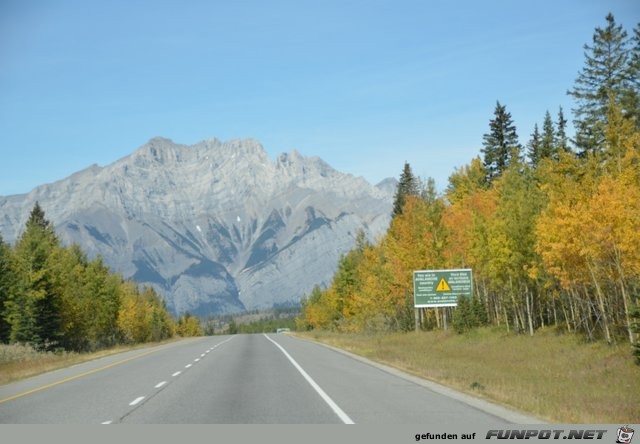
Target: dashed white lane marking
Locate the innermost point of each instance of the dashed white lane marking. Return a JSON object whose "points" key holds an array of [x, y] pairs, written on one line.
{"points": [[336, 409], [136, 401], [161, 384]]}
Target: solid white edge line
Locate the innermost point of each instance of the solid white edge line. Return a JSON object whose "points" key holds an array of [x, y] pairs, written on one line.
{"points": [[136, 401], [336, 409], [160, 384]]}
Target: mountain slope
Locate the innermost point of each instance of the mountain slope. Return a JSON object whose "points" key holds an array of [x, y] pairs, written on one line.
{"points": [[215, 227]]}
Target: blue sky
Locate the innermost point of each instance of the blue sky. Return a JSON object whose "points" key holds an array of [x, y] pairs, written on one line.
{"points": [[365, 85]]}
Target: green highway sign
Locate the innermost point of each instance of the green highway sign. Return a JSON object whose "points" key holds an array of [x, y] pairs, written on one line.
{"points": [[441, 288]]}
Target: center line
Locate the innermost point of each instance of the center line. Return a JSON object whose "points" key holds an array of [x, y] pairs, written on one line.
{"points": [[336, 409], [176, 374], [137, 400], [106, 422], [188, 365], [202, 355], [160, 384], [196, 360]]}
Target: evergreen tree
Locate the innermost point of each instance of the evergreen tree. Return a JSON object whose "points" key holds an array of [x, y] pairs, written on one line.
{"points": [[361, 240], [470, 313], [501, 144], [547, 143], [232, 328], [33, 308], [631, 96], [68, 276], [604, 75], [561, 140], [635, 325], [633, 73], [408, 186], [6, 278], [534, 147], [104, 303]]}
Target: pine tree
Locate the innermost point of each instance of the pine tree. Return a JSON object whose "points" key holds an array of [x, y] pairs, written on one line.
{"points": [[561, 141], [104, 302], [501, 144], [604, 75], [408, 186], [547, 143], [631, 96], [68, 275], [6, 278], [33, 308], [361, 240], [635, 316], [534, 147]]}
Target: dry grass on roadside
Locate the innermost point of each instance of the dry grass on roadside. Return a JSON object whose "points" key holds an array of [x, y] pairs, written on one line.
{"points": [[19, 361], [555, 377]]}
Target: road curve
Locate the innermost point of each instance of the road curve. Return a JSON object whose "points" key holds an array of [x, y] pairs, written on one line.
{"points": [[241, 379]]}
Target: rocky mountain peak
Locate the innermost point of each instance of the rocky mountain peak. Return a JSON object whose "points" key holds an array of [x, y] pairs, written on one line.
{"points": [[216, 226]]}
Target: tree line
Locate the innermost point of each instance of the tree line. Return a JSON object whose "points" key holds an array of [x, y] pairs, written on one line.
{"points": [[550, 229], [53, 297]]}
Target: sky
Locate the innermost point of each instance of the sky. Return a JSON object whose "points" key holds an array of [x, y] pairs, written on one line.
{"points": [[364, 85]]}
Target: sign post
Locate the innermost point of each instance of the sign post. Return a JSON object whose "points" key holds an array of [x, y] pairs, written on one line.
{"points": [[440, 288]]}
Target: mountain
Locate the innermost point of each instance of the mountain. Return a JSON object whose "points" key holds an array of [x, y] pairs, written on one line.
{"points": [[215, 227]]}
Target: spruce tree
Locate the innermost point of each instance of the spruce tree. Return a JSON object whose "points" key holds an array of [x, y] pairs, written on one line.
{"points": [[605, 75], [501, 144], [561, 141], [547, 143], [408, 186], [533, 147], [33, 309], [631, 96], [6, 278]]}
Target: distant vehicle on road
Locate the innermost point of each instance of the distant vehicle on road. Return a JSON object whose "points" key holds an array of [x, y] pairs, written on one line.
{"points": [[283, 330]]}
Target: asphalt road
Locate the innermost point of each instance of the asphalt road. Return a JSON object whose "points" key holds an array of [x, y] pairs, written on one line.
{"points": [[243, 379]]}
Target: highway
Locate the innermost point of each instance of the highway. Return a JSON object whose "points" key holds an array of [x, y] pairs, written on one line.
{"points": [[240, 379]]}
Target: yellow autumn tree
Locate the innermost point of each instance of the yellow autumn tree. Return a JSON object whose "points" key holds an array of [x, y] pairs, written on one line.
{"points": [[588, 236]]}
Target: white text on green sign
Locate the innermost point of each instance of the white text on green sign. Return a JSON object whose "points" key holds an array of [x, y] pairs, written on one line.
{"points": [[441, 288]]}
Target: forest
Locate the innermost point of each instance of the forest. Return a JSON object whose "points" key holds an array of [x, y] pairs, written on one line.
{"points": [[551, 228], [53, 298]]}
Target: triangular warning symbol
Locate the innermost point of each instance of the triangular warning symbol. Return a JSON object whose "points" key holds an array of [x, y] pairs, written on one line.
{"points": [[443, 286]]}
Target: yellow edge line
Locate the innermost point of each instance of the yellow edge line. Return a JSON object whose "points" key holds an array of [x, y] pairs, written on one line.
{"points": [[62, 381]]}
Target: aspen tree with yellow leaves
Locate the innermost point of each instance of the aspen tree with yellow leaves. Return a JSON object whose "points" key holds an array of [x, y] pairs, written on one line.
{"points": [[555, 242]]}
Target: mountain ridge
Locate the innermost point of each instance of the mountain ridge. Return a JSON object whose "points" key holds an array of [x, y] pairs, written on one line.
{"points": [[215, 227]]}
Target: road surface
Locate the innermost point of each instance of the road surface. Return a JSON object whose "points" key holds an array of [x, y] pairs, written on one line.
{"points": [[241, 379]]}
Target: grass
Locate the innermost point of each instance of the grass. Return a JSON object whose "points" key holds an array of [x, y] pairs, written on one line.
{"points": [[19, 361], [558, 378]]}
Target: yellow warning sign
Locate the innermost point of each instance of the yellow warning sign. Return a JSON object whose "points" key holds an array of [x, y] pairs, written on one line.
{"points": [[443, 286]]}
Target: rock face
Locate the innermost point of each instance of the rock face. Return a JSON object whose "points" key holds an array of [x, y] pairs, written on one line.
{"points": [[215, 227]]}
